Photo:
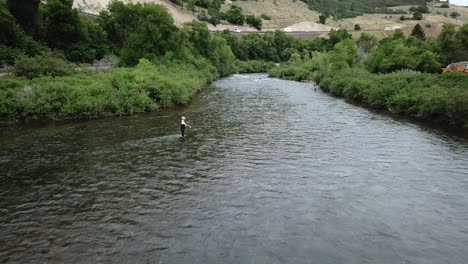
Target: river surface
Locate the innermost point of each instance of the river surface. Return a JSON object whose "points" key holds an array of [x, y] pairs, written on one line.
{"points": [[272, 171]]}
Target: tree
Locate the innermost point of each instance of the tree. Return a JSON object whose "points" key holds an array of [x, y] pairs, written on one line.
{"points": [[153, 35], [418, 32], [344, 54], [454, 15], [448, 43], [80, 39], [417, 16], [235, 16], [254, 22], [222, 57], [62, 26], [14, 42], [338, 36], [322, 19], [25, 13], [357, 27], [429, 62]]}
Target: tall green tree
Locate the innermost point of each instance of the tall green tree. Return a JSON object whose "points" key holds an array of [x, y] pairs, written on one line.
{"points": [[81, 40], [418, 32], [14, 42], [25, 13], [254, 21], [153, 35], [235, 16]]}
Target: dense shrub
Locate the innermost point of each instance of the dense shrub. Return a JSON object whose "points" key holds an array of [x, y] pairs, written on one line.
{"points": [[417, 16], [254, 22], [235, 16], [254, 66], [44, 65], [83, 95]]}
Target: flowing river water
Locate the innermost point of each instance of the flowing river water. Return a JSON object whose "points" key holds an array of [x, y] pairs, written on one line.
{"points": [[272, 171]]}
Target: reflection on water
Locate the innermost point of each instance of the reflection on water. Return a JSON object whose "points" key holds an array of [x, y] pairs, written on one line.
{"points": [[271, 172]]}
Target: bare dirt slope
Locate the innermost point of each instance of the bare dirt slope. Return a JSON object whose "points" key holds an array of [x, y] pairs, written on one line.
{"points": [[295, 15], [432, 23], [95, 6], [308, 26], [283, 13]]}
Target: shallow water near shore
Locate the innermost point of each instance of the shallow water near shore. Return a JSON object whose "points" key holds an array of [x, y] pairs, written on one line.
{"points": [[272, 171]]}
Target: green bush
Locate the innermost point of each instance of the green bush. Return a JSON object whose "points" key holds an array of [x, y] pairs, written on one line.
{"points": [[235, 16], [254, 22], [44, 65], [121, 91], [265, 17]]}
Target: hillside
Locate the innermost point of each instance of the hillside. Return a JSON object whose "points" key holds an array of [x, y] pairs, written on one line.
{"points": [[298, 16], [376, 24], [95, 6]]}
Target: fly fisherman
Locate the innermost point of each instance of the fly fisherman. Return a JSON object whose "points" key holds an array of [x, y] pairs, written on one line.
{"points": [[183, 125]]}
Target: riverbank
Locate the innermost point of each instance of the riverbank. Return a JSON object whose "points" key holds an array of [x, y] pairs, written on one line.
{"points": [[121, 91], [439, 98], [84, 94]]}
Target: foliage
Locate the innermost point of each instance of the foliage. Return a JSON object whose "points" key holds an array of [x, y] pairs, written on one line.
{"points": [[454, 14], [44, 65], [235, 16], [397, 53], [418, 32], [322, 19], [452, 44], [254, 22], [425, 96], [25, 13], [424, 9], [444, 6], [84, 95], [254, 66], [357, 27], [339, 35], [152, 36], [272, 46], [14, 42], [66, 30], [417, 16]]}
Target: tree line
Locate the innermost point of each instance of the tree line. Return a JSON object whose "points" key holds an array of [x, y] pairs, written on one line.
{"points": [[162, 64]]}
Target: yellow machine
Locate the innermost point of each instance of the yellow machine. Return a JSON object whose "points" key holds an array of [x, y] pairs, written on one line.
{"points": [[457, 67]]}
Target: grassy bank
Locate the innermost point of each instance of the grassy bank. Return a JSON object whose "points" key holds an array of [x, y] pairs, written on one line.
{"points": [[83, 94], [434, 97]]}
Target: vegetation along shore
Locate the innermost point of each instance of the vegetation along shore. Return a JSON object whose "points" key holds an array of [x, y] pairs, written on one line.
{"points": [[50, 46]]}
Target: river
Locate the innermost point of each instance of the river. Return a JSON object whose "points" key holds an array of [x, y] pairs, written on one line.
{"points": [[272, 171]]}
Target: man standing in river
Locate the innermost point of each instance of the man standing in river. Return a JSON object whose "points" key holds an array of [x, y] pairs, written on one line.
{"points": [[182, 126]]}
